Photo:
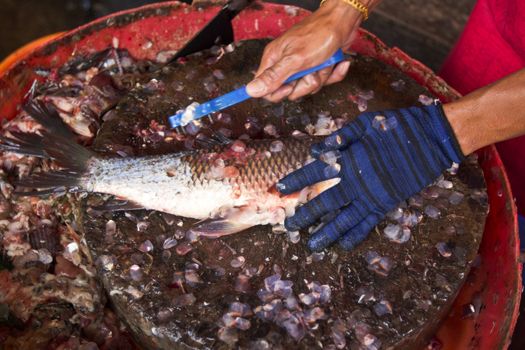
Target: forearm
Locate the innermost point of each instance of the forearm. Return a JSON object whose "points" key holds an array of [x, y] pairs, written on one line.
{"points": [[489, 115]]}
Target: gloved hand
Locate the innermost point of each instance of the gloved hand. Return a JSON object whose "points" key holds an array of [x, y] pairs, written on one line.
{"points": [[385, 157]]}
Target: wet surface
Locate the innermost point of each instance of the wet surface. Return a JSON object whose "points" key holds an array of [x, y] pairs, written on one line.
{"points": [[176, 291]]}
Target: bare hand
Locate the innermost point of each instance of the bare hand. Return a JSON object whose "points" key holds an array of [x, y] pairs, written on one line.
{"points": [[305, 45]]}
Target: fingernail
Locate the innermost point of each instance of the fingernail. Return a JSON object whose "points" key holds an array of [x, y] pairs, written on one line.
{"points": [[256, 87], [343, 66]]}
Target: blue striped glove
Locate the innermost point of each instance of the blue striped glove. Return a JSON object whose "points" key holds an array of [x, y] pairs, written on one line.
{"points": [[384, 158]]}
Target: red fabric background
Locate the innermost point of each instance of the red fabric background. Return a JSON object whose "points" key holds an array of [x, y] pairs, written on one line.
{"points": [[491, 47]]}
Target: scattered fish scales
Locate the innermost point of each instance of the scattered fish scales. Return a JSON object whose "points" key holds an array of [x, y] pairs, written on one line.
{"points": [[242, 323], [228, 335], [395, 214], [445, 184], [425, 100], [218, 74], [184, 300], [365, 294], [456, 198], [242, 283], [330, 157], [192, 236], [111, 228], [444, 249], [379, 264], [397, 234], [238, 262], [308, 299], [410, 218], [106, 262], [453, 170], [269, 282], [169, 243], [282, 288], [331, 171], [238, 309], [265, 295], [276, 146], [318, 256], [313, 315], [366, 95], [142, 226], [398, 85], [294, 327], [160, 244], [271, 130], [146, 246], [416, 201], [292, 303], [228, 320], [294, 236], [362, 104], [383, 308], [135, 272], [192, 277], [338, 334], [432, 212], [183, 248], [134, 292]]}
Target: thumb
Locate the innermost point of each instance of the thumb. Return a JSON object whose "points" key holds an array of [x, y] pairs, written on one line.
{"points": [[273, 77]]}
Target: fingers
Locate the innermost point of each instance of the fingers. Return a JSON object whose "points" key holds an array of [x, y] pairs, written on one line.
{"points": [[339, 73], [311, 83], [335, 229], [328, 201], [358, 233], [273, 77], [281, 93], [339, 139], [307, 175]]}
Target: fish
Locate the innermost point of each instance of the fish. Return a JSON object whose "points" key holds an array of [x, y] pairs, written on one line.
{"points": [[228, 187]]}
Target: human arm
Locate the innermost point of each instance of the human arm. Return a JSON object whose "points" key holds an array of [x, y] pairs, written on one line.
{"points": [[387, 156], [307, 44], [491, 114]]}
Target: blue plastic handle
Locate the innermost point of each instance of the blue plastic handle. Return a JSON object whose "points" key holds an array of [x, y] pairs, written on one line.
{"points": [[240, 95]]}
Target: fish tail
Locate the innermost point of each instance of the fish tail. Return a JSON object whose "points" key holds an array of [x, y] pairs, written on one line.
{"points": [[56, 142]]}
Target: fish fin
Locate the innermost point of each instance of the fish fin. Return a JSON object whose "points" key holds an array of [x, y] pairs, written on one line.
{"points": [[215, 139], [41, 193], [49, 183], [47, 116], [215, 228], [221, 138], [22, 143], [67, 153], [118, 205], [58, 143], [322, 186]]}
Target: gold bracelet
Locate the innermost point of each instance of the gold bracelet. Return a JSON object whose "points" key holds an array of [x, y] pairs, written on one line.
{"points": [[355, 4]]}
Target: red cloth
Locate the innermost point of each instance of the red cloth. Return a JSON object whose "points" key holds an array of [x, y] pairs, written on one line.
{"points": [[491, 47]]}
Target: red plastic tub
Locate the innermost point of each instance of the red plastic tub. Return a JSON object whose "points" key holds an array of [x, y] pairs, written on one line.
{"points": [[493, 286]]}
